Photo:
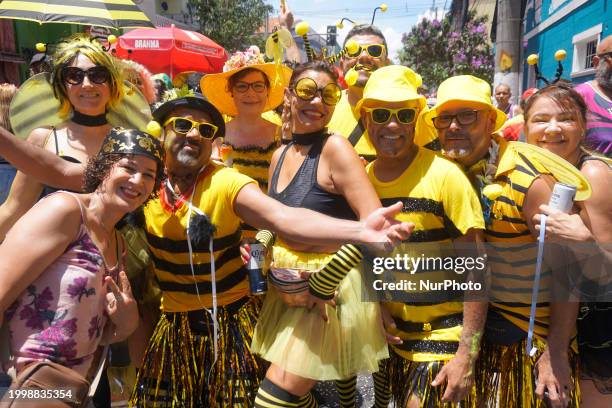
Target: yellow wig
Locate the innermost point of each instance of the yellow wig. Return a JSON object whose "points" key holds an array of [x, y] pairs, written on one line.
{"points": [[65, 54]]}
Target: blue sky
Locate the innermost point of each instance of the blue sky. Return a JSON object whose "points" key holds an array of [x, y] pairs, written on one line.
{"points": [[400, 16]]}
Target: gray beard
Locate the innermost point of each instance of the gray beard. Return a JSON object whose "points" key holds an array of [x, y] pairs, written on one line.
{"points": [[186, 159], [455, 153], [604, 77]]}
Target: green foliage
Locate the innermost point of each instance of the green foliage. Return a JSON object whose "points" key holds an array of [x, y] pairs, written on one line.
{"points": [[231, 23], [434, 50]]}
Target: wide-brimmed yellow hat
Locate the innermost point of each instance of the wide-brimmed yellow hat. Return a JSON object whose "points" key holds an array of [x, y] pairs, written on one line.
{"points": [[215, 86], [393, 83], [464, 88]]}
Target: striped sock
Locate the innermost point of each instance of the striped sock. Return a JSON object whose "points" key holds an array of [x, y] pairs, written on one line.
{"points": [[308, 401], [382, 387], [271, 395], [347, 390]]}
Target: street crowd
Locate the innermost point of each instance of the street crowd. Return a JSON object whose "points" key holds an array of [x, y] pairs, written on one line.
{"points": [[125, 245]]}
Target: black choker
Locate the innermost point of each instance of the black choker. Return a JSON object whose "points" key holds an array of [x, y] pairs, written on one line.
{"points": [[306, 139], [88, 120]]}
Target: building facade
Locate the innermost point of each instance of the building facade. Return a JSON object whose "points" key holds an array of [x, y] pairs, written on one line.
{"points": [[576, 26]]}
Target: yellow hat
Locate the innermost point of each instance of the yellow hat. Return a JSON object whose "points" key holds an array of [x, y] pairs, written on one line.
{"points": [[393, 83], [464, 88], [214, 86]]}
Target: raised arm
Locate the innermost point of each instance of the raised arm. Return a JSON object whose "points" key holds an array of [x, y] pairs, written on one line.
{"points": [[39, 163]]}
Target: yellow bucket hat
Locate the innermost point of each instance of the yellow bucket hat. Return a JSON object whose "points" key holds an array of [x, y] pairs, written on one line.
{"points": [[215, 89], [464, 88], [393, 83], [397, 83]]}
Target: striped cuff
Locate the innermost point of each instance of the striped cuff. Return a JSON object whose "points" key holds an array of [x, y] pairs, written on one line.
{"points": [[323, 284], [265, 237]]}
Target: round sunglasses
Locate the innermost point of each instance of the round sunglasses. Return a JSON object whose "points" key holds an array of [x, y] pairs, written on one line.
{"points": [[76, 76], [184, 126], [306, 89], [380, 116]]}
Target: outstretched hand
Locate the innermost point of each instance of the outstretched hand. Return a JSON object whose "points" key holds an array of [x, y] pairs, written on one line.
{"points": [[382, 227], [285, 16]]}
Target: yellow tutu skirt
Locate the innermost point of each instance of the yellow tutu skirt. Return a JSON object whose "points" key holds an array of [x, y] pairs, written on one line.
{"points": [[299, 341]]}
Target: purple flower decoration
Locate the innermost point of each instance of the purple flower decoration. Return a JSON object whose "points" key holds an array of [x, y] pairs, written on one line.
{"points": [[454, 35], [59, 331], [37, 312], [436, 24], [95, 327], [79, 288]]}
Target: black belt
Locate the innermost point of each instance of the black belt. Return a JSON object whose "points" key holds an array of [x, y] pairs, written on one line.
{"points": [[429, 346], [443, 322]]}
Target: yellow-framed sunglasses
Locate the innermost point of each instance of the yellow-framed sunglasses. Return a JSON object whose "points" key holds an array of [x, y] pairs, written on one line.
{"points": [[373, 50], [184, 126]]}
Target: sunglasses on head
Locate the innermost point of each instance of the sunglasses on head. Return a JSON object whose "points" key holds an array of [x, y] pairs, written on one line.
{"points": [[380, 116], [306, 89], [76, 76], [184, 126], [463, 118], [243, 87], [373, 50]]}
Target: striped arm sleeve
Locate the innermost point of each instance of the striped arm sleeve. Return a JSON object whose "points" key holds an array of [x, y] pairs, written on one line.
{"points": [[266, 238], [323, 284]]}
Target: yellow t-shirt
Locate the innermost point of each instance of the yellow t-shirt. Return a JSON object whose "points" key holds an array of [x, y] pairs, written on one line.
{"points": [[439, 199], [215, 192], [344, 121]]}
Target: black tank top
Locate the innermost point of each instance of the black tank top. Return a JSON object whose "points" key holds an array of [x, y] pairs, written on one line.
{"points": [[48, 189], [303, 190]]}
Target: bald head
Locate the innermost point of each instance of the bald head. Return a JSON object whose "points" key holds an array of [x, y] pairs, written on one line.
{"points": [[605, 45]]}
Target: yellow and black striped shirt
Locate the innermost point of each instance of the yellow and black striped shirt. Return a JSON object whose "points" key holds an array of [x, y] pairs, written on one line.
{"points": [[214, 194], [512, 248], [439, 199]]}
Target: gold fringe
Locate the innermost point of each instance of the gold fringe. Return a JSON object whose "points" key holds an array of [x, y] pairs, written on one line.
{"points": [[178, 368], [507, 374], [410, 378]]}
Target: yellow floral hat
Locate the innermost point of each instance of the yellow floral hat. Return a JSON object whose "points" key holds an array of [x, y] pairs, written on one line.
{"points": [[215, 86]]}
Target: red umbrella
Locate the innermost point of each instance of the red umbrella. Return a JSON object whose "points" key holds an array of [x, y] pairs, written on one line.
{"points": [[171, 50]]}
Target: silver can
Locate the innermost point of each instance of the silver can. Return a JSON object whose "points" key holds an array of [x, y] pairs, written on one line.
{"points": [[257, 282], [562, 197]]}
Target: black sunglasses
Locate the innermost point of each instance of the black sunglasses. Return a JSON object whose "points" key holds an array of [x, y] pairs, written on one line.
{"points": [[76, 76], [463, 118]]}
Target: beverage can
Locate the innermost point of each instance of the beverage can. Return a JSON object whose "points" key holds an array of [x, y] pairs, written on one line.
{"points": [[562, 197], [257, 282]]}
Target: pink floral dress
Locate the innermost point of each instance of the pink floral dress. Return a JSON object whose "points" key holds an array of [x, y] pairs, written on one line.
{"points": [[60, 316]]}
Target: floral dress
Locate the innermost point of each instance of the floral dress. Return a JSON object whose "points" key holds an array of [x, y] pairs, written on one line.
{"points": [[60, 316]]}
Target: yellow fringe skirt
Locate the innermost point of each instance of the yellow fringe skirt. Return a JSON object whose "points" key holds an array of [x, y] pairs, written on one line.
{"points": [[300, 342], [179, 367], [413, 378], [506, 376]]}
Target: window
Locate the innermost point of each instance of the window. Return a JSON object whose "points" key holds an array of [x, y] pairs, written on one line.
{"points": [[585, 45], [591, 48]]}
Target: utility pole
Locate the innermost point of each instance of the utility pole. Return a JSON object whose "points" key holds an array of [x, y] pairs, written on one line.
{"points": [[508, 45]]}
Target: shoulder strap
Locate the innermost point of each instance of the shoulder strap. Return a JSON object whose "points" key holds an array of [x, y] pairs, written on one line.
{"points": [[277, 169], [356, 133], [55, 137]]}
